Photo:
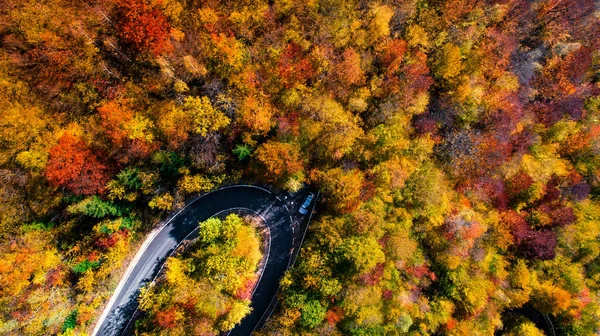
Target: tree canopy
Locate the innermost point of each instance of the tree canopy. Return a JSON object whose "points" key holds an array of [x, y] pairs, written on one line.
{"points": [[455, 144]]}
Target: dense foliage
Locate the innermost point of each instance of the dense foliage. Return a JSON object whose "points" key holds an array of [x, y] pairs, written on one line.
{"points": [[208, 288], [456, 143]]}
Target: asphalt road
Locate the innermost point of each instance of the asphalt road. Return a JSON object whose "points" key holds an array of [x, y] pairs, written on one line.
{"points": [[118, 321]]}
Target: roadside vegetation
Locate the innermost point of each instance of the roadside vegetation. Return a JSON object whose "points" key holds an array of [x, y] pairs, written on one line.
{"points": [[456, 144], [207, 289]]}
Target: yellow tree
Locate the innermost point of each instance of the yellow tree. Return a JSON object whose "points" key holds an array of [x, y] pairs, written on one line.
{"points": [[23, 125], [343, 188], [379, 25], [363, 252], [332, 129], [256, 115], [204, 117], [448, 62], [175, 273], [238, 311], [32, 285], [227, 54]]}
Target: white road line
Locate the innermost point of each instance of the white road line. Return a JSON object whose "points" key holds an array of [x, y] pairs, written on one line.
{"points": [[307, 224], [132, 265], [266, 262], [269, 306], [243, 185], [291, 256], [143, 248]]}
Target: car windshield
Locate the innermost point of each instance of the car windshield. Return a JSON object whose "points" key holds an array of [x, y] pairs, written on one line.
{"points": [[307, 201]]}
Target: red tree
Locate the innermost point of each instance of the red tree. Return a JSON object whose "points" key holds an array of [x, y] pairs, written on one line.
{"points": [[166, 319], [539, 245], [532, 244], [113, 119], [143, 27], [417, 78], [293, 66], [392, 55], [349, 71], [519, 183], [562, 216], [245, 292], [73, 165], [374, 276], [334, 315]]}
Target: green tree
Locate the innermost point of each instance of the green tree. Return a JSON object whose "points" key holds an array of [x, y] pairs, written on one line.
{"points": [[210, 230], [242, 151], [96, 207], [313, 313]]}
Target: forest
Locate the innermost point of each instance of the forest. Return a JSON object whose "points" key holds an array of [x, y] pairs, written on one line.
{"points": [[456, 144]]}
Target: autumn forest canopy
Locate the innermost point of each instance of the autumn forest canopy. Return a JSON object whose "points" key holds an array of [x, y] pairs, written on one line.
{"points": [[456, 144]]}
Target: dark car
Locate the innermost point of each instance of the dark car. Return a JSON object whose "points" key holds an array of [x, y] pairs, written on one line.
{"points": [[304, 207]]}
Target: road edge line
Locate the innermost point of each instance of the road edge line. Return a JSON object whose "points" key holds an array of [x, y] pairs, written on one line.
{"points": [[264, 319]]}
